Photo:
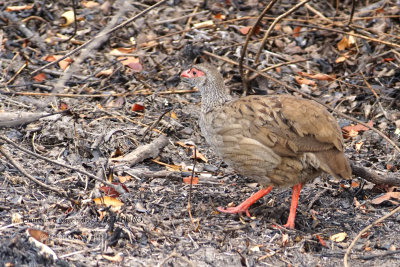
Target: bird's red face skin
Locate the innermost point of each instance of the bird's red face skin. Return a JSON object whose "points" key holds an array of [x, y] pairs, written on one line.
{"points": [[192, 73]]}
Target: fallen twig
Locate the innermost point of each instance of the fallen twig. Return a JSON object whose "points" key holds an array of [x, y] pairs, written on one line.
{"points": [[30, 177], [372, 177], [12, 119], [143, 152], [118, 188], [346, 255]]}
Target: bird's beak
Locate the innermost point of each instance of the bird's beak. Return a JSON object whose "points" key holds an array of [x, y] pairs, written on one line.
{"points": [[186, 74]]}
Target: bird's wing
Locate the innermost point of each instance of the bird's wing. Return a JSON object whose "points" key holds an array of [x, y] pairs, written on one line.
{"points": [[287, 124]]}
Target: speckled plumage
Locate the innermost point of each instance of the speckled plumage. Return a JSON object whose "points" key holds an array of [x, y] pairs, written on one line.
{"points": [[277, 140]]}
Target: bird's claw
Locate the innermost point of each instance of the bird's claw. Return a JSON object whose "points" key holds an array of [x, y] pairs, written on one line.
{"points": [[232, 210]]}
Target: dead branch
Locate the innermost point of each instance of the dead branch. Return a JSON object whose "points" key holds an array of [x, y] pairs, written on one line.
{"points": [[30, 177], [371, 176], [144, 152]]}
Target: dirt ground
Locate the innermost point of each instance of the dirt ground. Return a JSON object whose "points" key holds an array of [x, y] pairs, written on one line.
{"points": [[122, 116]]}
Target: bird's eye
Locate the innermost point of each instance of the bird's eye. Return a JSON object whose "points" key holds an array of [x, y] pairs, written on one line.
{"points": [[194, 72]]}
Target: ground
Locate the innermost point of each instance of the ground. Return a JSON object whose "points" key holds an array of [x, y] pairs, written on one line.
{"points": [[122, 92]]}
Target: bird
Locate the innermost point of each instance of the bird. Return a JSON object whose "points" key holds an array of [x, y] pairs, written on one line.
{"points": [[275, 140]]}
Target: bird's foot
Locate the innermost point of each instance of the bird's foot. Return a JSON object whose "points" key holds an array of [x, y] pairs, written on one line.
{"points": [[289, 225], [238, 209]]}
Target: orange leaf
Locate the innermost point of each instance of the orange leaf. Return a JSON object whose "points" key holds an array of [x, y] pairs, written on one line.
{"points": [[301, 80], [63, 63], [40, 77], [219, 16], [109, 191], [388, 59], [356, 128], [341, 59], [186, 180], [63, 106], [245, 30], [137, 107], [318, 76], [123, 179], [354, 184], [108, 201], [173, 115], [387, 196], [343, 44], [128, 60], [18, 8], [39, 235], [90, 4], [296, 31]]}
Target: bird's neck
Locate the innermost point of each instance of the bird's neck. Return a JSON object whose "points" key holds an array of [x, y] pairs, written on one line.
{"points": [[212, 98]]}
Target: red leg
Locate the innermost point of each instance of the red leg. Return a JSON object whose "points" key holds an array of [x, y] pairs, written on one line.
{"points": [[244, 206], [293, 206]]}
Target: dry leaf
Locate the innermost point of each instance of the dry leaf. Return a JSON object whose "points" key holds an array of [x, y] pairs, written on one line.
{"points": [[116, 258], [68, 17], [301, 80], [387, 197], [39, 235], [245, 30], [285, 239], [122, 50], [343, 44], [106, 72], [108, 201], [124, 178], [173, 115], [352, 130], [90, 4], [136, 67], [131, 62], [341, 59], [137, 107], [318, 76], [338, 237], [40, 77], [358, 146], [18, 8], [219, 16], [109, 191], [128, 60], [186, 180], [296, 31], [63, 106], [63, 63]]}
